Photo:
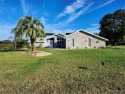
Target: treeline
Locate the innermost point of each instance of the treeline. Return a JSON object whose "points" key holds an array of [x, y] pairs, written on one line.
{"points": [[12, 44], [112, 27]]}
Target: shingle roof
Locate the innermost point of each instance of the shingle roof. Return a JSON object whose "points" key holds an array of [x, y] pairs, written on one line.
{"points": [[49, 33]]}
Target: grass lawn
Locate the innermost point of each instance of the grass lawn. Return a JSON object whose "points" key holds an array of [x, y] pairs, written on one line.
{"points": [[83, 71], [117, 47]]}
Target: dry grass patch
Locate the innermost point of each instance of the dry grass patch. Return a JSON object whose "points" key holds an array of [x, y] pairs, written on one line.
{"points": [[37, 53]]}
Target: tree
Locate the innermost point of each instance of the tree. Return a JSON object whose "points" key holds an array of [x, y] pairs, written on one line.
{"points": [[96, 33], [20, 42], [14, 40], [32, 28], [113, 26], [6, 45]]}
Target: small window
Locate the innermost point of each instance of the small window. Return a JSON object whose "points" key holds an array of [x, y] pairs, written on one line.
{"points": [[72, 42], [89, 42]]}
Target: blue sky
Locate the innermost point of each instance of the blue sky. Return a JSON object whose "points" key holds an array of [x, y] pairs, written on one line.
{"points": [[57, 15]]}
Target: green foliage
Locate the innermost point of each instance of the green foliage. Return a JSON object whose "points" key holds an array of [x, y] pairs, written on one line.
{"points": [[65, 71], [32, 28], [113, 27], [20, 43], [6, 45], [6, 42]]}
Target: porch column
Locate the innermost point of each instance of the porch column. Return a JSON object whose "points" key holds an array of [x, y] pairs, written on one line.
{"points": [[55, 41], [61, 42]]}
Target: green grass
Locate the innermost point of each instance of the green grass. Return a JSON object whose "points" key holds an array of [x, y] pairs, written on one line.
{"points": [[117, 47], [63, 72]]}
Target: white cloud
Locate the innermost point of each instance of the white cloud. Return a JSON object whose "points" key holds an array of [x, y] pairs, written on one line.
{"points": [[77, 14], [85, 10], [6, 27], [110, 1], [55, 28], [23, 5], [6, 9], [94, 24], [72, 8], [73, 15], [5, 30], [93, 29], [43, 20], [63, 31]]}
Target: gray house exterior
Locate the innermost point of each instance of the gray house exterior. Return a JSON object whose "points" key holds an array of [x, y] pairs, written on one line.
{"points": [[83, 39], [76, 40]]}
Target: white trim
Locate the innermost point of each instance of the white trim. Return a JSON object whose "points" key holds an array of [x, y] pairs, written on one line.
{"points": [[89, 33]]}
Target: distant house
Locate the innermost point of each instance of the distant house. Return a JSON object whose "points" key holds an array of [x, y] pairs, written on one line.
{"points": [[75, 40]]}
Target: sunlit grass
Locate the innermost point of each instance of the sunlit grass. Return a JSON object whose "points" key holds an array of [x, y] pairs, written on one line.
{"points": [[63, 72]]}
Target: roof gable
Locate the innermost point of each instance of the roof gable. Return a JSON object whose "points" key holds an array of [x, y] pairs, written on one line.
{"points": [[88, 33], [59, 35]]}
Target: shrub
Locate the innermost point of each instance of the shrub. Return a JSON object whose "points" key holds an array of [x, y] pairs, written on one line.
{"points": [[6, 46]]}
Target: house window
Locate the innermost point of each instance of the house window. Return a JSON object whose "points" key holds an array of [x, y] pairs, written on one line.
{"points": [[72, 42], [89, 42]]}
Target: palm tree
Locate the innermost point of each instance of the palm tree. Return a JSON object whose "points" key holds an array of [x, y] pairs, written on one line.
{"points": [[32, 28]]}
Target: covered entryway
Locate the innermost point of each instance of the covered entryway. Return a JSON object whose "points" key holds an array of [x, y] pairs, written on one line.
{"points": [[56, 41], [51, 42], [61, 42]]}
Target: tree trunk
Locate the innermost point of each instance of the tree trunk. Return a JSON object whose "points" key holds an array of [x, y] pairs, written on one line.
{"points": [[32, 44]]}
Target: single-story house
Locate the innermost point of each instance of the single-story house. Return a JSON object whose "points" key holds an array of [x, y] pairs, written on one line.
{"points": [[75, 40]]}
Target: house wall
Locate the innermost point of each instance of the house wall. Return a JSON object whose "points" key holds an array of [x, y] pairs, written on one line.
{"points": [[50, 41], [47, 42], [37, 44], [81, 41], [53, 41]]}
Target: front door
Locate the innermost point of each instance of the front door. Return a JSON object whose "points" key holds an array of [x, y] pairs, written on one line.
{"points": [[51, 43]]}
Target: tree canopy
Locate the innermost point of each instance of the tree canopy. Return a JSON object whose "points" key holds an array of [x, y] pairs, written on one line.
{"points": [[112, 27], [31, 27]]}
